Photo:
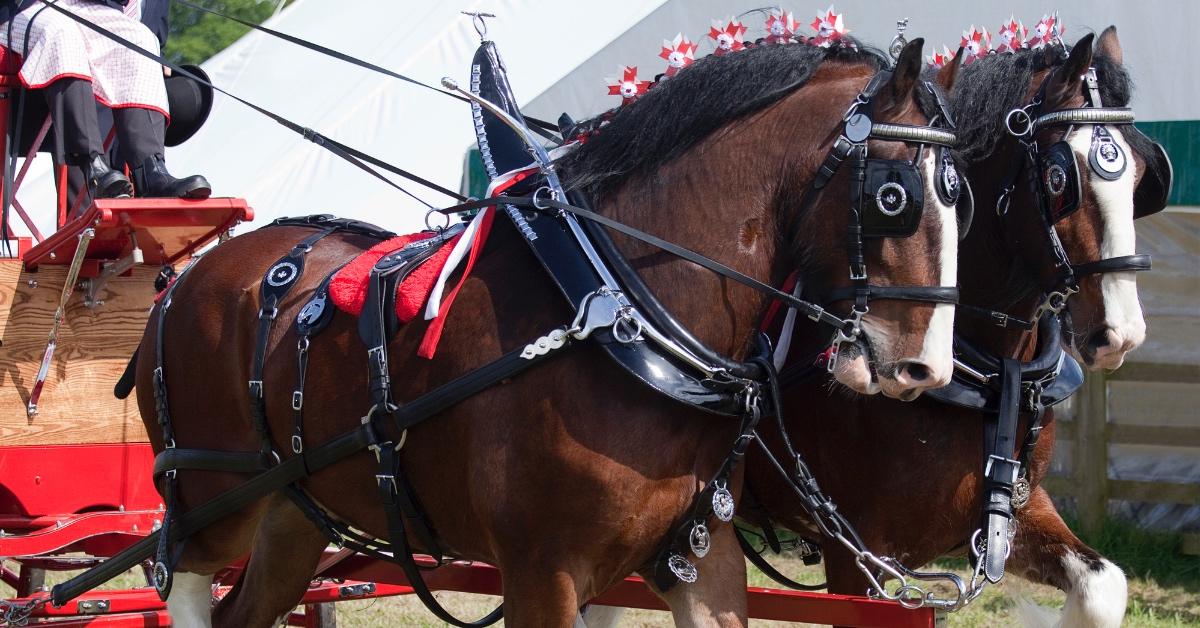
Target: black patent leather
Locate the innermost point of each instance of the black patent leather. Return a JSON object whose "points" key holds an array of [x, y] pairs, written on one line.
{"points": [[560, 255], [967, 392]]}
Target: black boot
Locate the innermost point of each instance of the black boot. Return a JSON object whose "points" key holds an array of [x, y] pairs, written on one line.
{"points": [[104, 182], [153, 181]]}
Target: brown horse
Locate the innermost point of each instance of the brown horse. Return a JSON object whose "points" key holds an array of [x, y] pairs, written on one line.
{"points": [[568, 477], [909, 476]]}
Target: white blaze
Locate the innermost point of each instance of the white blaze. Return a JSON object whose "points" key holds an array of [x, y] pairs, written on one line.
{"points": [[937, 350], [1114, 199]]}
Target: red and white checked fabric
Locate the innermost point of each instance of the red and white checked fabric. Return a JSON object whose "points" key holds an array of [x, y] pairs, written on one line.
{"points": [[60, 47]]}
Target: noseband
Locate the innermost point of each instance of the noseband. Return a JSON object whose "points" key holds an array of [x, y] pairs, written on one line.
{"points": [[887, 197]]}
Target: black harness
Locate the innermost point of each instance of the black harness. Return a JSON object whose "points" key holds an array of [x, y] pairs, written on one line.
{"points": [[1003, 388], [581, 262]]}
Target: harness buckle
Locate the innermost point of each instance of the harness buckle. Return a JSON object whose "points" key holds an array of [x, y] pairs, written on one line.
{"points": [[297, 444], [265, 314], [993, 458], [388, 478], [858, 272], [297, 400], [256, 389]]}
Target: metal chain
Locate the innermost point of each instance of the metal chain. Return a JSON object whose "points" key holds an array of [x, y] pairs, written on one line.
{"points": [[18, 613], [877, 569]]}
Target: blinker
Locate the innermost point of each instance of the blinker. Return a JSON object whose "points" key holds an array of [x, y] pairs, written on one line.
{"points": [[1059, 175], [1154, 189], [890, 199]]}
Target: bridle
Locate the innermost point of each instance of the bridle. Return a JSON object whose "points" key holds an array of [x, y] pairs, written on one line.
{"points": [[1056, 185], [887, 198]]}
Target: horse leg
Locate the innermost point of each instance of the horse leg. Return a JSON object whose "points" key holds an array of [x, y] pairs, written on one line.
{"points": [[537, 594], [286, 550], [718, 596], [1047, 552]]}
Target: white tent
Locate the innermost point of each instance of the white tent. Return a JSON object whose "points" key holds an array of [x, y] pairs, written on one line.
{"points": [[558, 54], [245, 154]]}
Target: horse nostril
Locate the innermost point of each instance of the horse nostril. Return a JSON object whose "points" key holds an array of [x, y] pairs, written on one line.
{"points": [[916, 371]]}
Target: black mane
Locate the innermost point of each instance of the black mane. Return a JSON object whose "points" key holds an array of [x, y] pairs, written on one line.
{"points": [[987, 89], [678, 113]]}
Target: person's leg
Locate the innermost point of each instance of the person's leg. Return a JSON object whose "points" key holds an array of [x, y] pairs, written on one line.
{"points": [[140, 133], [73, 109]]}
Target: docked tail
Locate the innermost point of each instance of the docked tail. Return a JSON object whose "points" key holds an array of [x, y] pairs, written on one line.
{"points": [[125, 384]]}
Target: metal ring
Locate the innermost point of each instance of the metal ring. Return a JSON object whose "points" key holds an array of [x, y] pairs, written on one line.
{"points": [[429, 226], [910, 596], [626, 329], [1018, 116], [549, 192], [891, 185]]}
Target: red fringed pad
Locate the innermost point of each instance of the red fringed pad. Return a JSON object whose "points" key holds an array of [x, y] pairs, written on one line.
{"points": [[348, 288]]}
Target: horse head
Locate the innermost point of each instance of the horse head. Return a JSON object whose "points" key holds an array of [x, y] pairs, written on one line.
{"points": [[905, 347], [1122, 176], [1054, 143]]}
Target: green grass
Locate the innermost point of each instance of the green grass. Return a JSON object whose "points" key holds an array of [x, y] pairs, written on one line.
{"points": [[1164, 590]]}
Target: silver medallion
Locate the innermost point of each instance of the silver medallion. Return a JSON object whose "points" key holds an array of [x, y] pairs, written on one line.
{"points": [[950, 179], [161, 577], [722, 503], [682, 568], [700, 540], [1021, 492], [1055, 180], [891, 199], [311, 312], [281, 274]]}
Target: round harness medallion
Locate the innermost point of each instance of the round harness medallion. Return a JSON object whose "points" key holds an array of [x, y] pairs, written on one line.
{"points": [[950, 180], [891, 199], [1055, 180], [281, 274]]}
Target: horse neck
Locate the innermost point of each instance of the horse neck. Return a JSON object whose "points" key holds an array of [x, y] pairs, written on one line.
{"points": [[994, 270], [717, 200]]}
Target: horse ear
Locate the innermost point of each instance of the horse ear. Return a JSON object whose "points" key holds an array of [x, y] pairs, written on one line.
{"points": [[949, 72], [1109, 46], [1070, 76], [897, 93]]}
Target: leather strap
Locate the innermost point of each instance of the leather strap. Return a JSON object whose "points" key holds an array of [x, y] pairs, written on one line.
{"points": [[1122, 264], [927, 294], [1000, 472], [209, 460], [280, 278]]}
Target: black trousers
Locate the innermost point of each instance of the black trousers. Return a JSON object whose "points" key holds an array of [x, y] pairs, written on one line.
{"points": [[140, 132]]}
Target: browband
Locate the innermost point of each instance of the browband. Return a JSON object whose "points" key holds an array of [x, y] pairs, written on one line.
{"points": [[1086, 115], [911, 133]]}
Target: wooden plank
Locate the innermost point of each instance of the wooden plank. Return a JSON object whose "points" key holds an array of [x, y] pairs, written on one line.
{"points": [[1190, 544], [1091, 452], [1159, 435], [1154, 492], [1162, 373], [77, 404], [1059, 486]]}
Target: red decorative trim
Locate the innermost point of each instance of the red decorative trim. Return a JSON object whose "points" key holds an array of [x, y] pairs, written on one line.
{"points": [[84, 77]]}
